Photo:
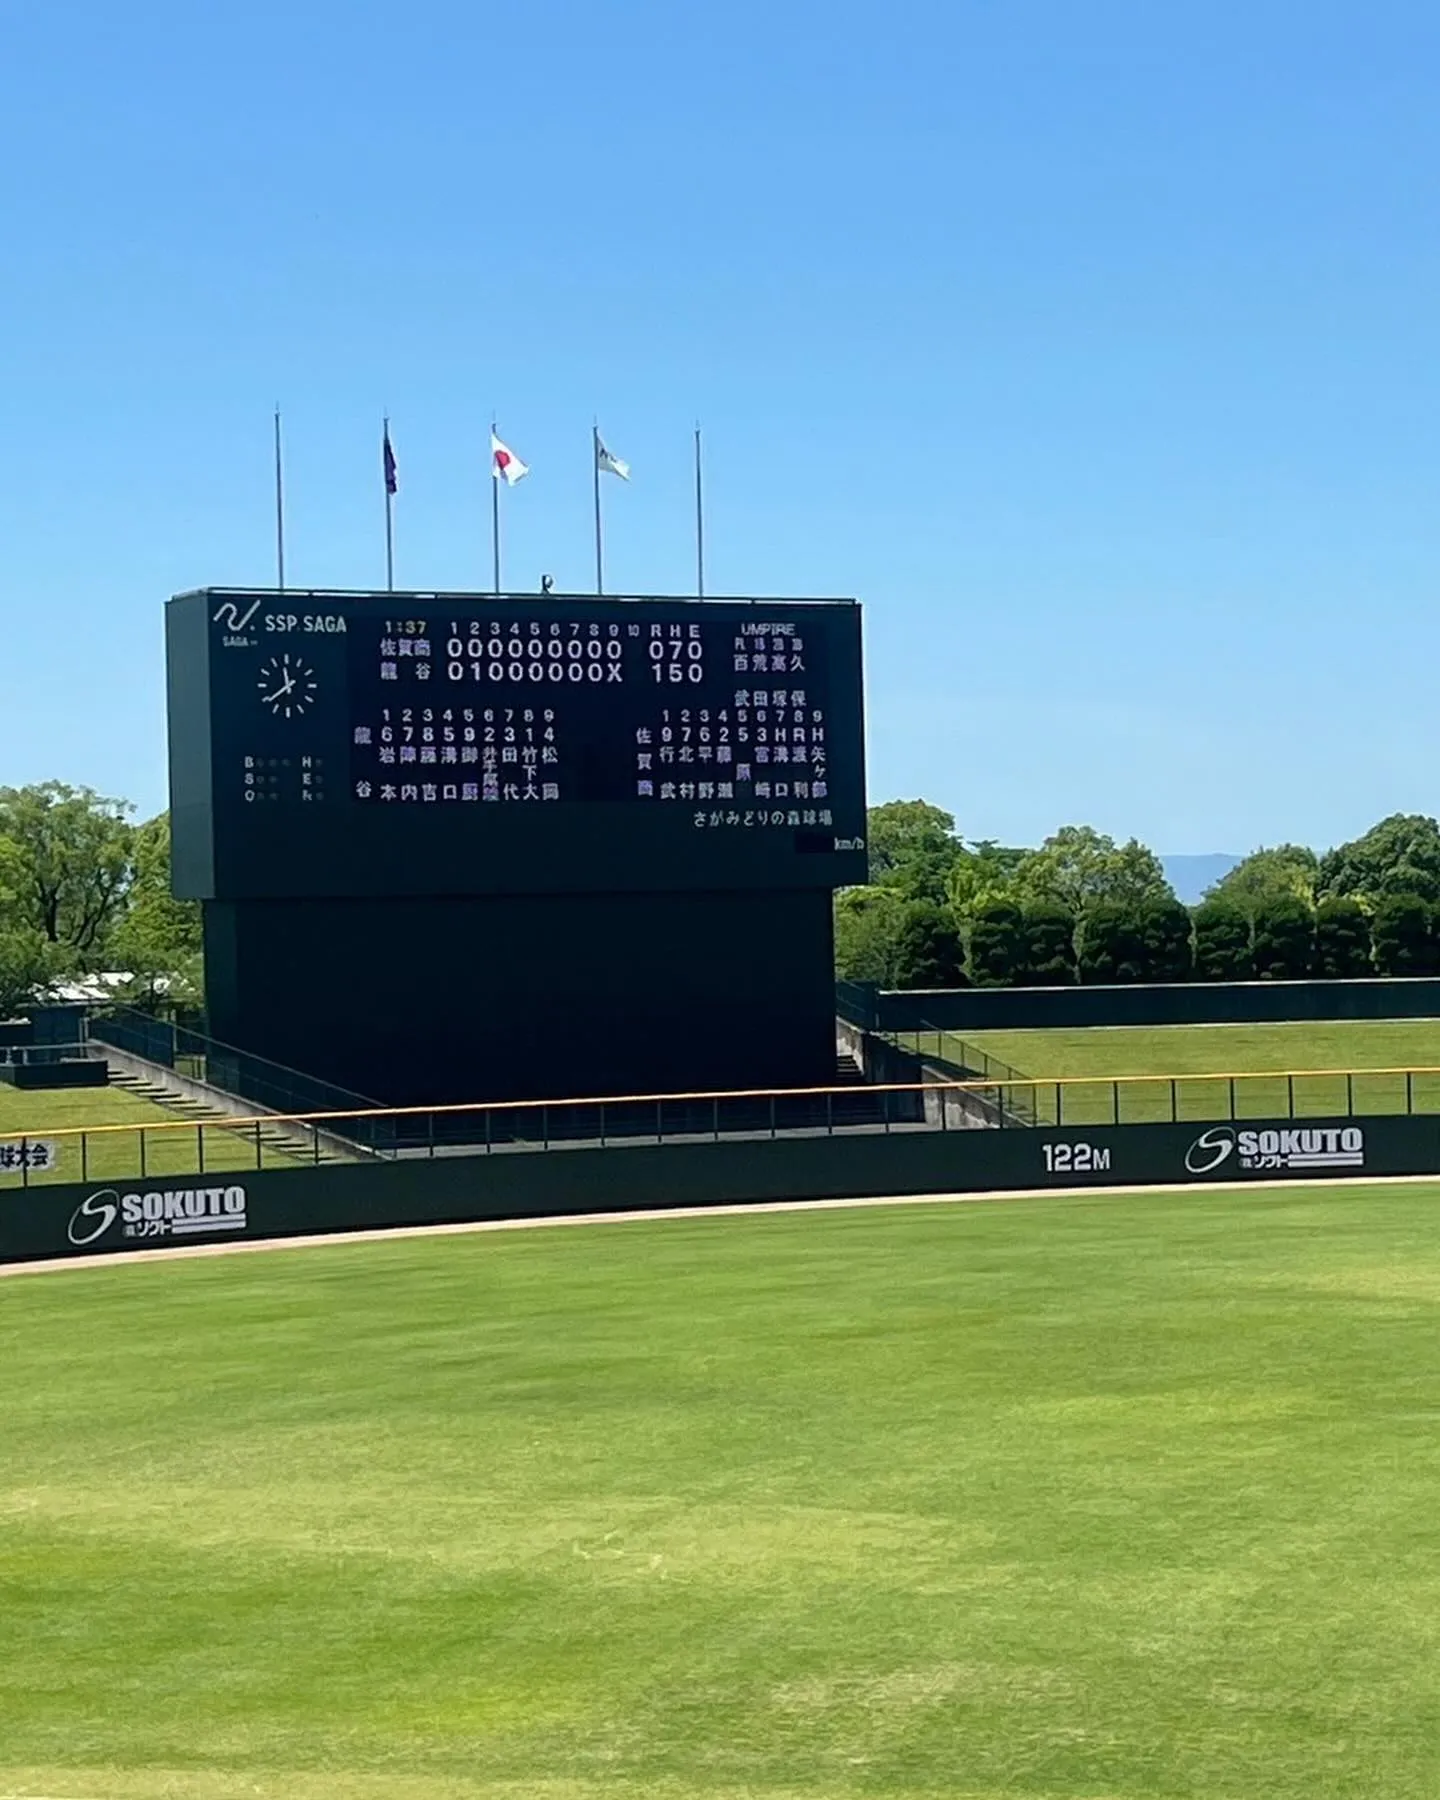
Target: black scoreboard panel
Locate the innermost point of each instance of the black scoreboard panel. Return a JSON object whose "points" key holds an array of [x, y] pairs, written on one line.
{"points": [[335, 746], [425, 1001], [465, 847]]}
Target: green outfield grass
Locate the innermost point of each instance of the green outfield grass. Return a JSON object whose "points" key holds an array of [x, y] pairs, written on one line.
{"points": [[1203, 1053], [62, 1109], [1218, 1049], [1082, 1498], [116, 1156]]}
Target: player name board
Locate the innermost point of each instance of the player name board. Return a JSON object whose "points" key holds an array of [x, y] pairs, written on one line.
{"points": [[401, 744]]}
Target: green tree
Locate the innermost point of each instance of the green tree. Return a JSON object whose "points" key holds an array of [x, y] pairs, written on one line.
{"points": [[1165, 930], [912, 847], [928, 950], [1342, 940], [1144, 940], [867, 924], [982, 873], [1400, 855], [1402, 930], [26, 960], [1283, 946], [1283, 870], [1110, 946], [1222, 942], [1080, 869], [997, 944], [25, 966], [158, 939], [1049, 946], [69, 867]]}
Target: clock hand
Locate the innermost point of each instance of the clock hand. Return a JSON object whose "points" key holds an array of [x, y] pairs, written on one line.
{"points": [[288, 688]]}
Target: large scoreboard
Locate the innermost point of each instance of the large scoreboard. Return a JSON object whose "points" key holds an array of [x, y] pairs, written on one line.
{"points": [[328, 745], [456, 847]]}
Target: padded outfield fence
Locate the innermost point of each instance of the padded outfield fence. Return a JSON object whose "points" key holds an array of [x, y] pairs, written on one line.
{"points": [[376, 1135]]}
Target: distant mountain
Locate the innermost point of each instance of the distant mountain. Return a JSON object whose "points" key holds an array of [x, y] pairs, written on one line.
{"points": [[1191, 875]]}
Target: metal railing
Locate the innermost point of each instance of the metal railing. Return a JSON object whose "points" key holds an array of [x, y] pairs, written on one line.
{"points": [[235, 1072], [946, 1046], [24, 1054], [858, 1003], [166, 1149], [1028, 1101]]}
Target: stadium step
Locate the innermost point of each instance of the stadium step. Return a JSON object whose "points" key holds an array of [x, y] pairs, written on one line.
{"points": [[276, 1137]]}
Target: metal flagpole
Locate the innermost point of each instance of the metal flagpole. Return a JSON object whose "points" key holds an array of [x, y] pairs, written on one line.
{"points": [[699, 522], [599, 541], [494, 508], [388, 465], [279, 510]]}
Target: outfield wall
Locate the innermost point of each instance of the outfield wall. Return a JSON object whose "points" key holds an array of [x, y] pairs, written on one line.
{"points": [[43, 1222], [1194, 1003]]}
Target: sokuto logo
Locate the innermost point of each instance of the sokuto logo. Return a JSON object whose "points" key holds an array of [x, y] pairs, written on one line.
{"points": [[161, 1213], [1209, 1150], [93, 1217], [1285, 1147]]}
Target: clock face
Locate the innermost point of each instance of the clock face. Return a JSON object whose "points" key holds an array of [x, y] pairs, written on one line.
{"points": [[287, 685]]}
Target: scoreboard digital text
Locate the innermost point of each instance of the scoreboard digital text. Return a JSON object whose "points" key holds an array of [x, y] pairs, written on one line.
{"points": [[364, 746]]}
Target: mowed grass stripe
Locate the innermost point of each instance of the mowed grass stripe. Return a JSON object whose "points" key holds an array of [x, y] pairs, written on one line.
{"points": [[1111, 1496], [1107, 1051]]}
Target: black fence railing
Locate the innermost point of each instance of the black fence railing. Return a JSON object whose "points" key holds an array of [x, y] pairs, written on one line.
{"points": [[941, 1057], [26, 1055], [239, 1073], [157, 1152], [949, 1047]]}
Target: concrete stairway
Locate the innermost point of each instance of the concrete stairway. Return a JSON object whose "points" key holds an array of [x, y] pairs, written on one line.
{"points": [[848, 1072], [285, 1140]]}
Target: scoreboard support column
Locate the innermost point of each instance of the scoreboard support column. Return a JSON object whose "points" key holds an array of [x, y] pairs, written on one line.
{"points": [[417, 1002]]}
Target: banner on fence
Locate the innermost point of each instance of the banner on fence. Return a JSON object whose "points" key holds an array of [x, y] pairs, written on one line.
{"points": [[49, 1221]]}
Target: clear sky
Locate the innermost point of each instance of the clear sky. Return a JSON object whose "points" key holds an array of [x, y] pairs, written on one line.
{"points": [[1092, 343]]}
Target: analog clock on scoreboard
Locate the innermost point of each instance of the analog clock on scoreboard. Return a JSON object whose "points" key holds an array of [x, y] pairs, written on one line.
{"points": [[287, 685]]}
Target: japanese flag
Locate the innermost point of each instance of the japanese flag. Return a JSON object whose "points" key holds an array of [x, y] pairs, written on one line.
{"points": [[507, 465]]}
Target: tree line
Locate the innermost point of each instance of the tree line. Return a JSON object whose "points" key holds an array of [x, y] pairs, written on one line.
{"points": [[940, 912], [83, 890]]}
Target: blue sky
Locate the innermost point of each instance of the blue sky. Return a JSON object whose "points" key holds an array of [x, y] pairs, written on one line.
{"points": [[1094, 346]]}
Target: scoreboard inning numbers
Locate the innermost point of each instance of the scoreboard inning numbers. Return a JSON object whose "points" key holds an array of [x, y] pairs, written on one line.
{"points": [[327, 744]]}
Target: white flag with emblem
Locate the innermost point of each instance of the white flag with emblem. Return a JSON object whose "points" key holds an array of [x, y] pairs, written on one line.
{"points": [[608, 464]]}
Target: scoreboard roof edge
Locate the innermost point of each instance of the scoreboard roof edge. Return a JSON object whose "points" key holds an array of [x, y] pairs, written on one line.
{"points": [[390, 598]]}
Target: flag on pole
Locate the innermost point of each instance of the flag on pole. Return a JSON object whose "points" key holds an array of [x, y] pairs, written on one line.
{"points": [[507, 465], [392, 474], [608, 464]]}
